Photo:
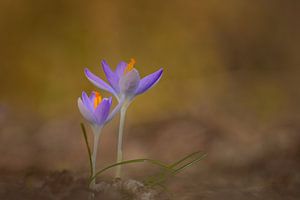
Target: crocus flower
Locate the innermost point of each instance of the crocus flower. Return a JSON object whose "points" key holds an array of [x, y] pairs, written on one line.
{"points": [[124, 83], [94, 109]]}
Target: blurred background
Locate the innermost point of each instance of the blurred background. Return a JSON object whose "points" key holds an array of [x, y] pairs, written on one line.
{"points": [[230, 85]]}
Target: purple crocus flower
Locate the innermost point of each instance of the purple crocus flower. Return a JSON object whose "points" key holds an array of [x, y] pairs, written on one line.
{"points": [[124, 83], [95, 109]]}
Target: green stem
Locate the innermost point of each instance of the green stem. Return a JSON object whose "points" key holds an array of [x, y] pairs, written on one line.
{"points": [[94, 156], [88, 148], [120, 140]]}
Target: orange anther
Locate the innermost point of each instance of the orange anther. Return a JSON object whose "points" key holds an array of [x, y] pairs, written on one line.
{"points": [[97, 99], [130, 65]]}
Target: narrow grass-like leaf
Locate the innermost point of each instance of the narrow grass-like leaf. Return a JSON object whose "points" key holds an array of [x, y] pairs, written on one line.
{"points": [[159, 163], [154, 162], [163, 177], [183, 159], [176, 171], [162, 174], [88, 148], [189, 164]]}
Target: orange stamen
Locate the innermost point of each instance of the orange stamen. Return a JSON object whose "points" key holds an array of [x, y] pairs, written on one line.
{"points": [[97, 99], [130, 66]]}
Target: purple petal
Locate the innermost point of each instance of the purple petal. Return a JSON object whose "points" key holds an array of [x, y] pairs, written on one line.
{"points": [[149, 81], [87, 102], [120, 69], [86, 113], [110, 100], [112, 78], [114, 112], [92, 97], [129, 82], [98, 82], [102, 111]]}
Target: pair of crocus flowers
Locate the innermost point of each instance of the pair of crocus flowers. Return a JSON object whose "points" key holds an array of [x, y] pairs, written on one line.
{"points": [[124, 83]]}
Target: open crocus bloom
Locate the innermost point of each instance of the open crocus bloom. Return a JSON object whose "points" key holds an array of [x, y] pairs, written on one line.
{"points": [[94, 109], [124, 82]]}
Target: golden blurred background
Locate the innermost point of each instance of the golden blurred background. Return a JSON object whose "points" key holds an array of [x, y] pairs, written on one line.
{"points": [[230, 85]]}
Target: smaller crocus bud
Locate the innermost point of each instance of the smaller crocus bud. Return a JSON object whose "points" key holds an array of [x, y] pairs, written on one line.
{"points": [[94, 109]]}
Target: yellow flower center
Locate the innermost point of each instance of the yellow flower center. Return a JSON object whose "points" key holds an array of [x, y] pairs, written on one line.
{"points": [[130, 66], [97, 99]]}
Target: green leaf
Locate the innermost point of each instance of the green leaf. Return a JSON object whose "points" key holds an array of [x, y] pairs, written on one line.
{"points": [[154, 162], [189, 164], [185, 158], [88, 148], [163, 176]]}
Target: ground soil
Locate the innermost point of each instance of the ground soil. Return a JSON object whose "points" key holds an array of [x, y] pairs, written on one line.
{"points": [[241, 163], [65, 185]]}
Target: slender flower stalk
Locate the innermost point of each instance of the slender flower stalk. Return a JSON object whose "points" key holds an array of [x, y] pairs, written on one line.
{"points": [[125, 84], [94, 155], [120, 140]]}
